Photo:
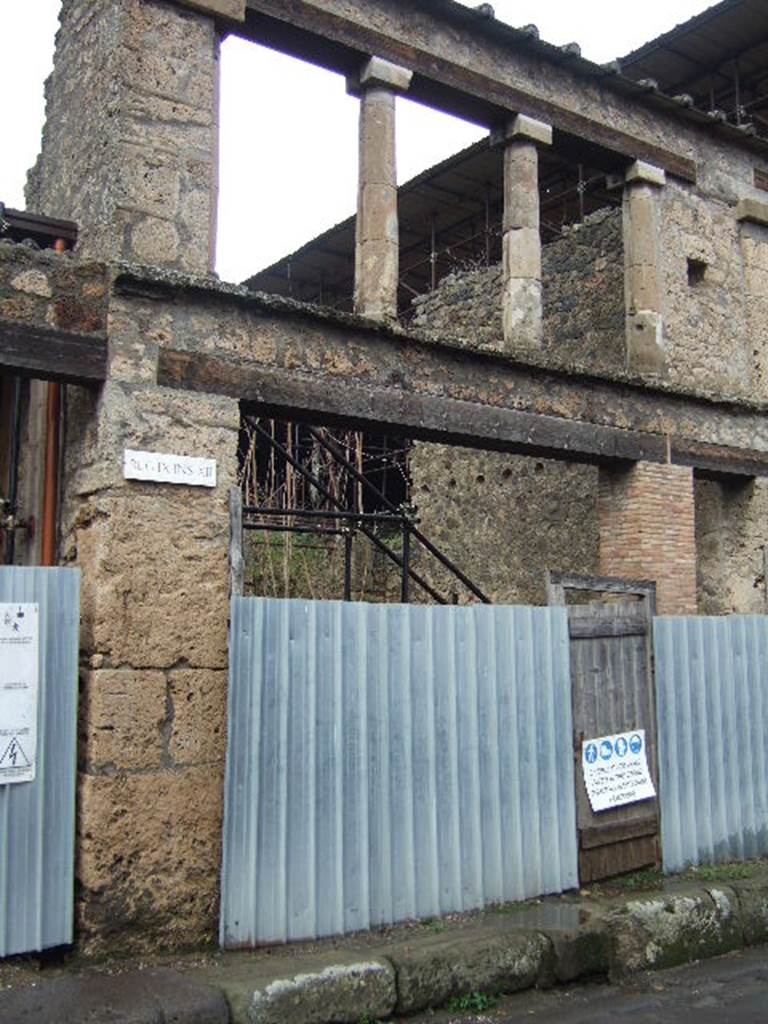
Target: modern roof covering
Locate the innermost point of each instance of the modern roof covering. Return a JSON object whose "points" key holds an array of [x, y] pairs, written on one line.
{"points": [[719, 58], [450, 216]]}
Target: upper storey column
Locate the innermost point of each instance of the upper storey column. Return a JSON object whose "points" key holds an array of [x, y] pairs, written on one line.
{"points": [[521, 297], [130, 145], [377, 238], [642, 271]]}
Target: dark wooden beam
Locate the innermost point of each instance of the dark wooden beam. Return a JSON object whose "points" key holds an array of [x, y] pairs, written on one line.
{"points": [[52, 354], [718, 460], [421, 416], [338, 38]]}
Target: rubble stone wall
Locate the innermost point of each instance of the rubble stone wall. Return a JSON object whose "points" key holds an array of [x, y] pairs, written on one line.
{"points": [[503, 519], [583, 294], [731, 543], [705, 317]]}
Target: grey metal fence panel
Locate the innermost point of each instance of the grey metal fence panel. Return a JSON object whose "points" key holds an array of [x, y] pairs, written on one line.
{"points": [[712, 693], [37, 819], [387, 762]]}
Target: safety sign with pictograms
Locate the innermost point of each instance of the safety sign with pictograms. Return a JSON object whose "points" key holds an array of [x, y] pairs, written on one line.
{"points": [[615, 770]]}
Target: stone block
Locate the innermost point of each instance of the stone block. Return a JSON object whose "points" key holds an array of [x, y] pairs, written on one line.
{"points": [[198, 707], [156, 577], [234, 10], [343, 992], [645, 342], [522, 254], [377, 214], [670, 930], [430, 974], [752, 210], [753, 903], [527, 129], [522, 314], [521, 188], [32, 282], [643, 288], [121, 720], [149, 858], [377, 157], [154, 241], [649, 174], [149, 183], [383, 74], [641, 230]]}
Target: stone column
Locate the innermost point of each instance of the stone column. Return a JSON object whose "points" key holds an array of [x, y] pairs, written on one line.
{"points": [[377, 239], [647, 531], [130, 146], [642, 273], [521, 296]]}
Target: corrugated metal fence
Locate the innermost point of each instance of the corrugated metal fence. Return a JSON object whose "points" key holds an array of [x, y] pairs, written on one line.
{"points": [[387, 762], [37, 819], [712, 692]]}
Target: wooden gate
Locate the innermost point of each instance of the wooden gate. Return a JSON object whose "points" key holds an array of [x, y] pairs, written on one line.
{"points": [[612, 692]]}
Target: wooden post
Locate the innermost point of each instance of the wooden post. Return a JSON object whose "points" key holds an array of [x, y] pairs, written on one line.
{"points": [[236, 563]]}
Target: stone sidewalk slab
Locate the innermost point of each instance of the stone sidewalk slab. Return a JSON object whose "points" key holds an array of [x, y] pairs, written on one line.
{"points": [[154, 996]]}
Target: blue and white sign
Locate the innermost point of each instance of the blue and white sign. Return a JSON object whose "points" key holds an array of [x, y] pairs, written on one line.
{"points": [[616, 771]]}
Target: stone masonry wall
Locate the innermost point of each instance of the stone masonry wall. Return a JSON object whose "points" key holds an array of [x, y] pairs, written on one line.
{"points": [[754, 253], [705, 320], [130, 143], [731, 542], [583, 289], [504, 520], [154, 559], [47, 290]]}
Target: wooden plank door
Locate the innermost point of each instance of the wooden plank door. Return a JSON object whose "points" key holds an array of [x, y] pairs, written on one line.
{"points": [[612, 692]]}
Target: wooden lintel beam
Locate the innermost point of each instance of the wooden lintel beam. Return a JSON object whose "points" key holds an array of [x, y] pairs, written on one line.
{"points": [[52, 354], [422, 416], [718, 460]]}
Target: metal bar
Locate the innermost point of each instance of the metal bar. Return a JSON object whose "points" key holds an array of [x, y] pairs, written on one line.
{"points": [[322, 531], [316, 513], [384, 548], [443, 559], [13, 471], [404, 594], [348, 565]]}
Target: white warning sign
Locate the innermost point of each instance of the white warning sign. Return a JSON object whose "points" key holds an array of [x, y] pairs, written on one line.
{"points": [[19, 668], [616, 770]]}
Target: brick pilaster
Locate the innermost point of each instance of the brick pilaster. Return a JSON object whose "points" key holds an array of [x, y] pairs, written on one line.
{"points": [[647, 531]]}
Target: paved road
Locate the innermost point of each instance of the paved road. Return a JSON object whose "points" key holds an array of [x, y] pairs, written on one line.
{"points": [[727, 990]]}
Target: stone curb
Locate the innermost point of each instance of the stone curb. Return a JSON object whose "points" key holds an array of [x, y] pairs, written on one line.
{"points": [[645, 933], [502, 956]]}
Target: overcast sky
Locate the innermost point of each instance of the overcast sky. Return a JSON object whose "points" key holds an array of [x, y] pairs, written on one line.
{"points": [[289, 132]]}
